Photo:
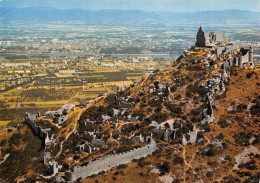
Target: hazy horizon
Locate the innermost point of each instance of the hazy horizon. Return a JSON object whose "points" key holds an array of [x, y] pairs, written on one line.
{"points": [[145, 5]]}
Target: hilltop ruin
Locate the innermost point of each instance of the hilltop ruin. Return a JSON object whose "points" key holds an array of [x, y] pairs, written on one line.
{"points": [[218, 42]]}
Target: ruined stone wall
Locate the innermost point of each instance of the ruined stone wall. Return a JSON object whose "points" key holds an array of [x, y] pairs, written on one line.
{"points": [[219, 88], [243, 59], [111, 161], [237, 61], [36, 129], [251, 55], [219, 50]]}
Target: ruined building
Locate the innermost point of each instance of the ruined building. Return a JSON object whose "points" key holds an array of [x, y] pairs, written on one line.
{"points": [[209, 39], [218, 43]]}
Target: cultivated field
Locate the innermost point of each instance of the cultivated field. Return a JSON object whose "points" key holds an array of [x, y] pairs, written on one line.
{"points": [[33, 89]]}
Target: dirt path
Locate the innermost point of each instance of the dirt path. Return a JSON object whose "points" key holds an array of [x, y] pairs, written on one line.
{"points": [[66, 138], [75, 126], [189, 164]]}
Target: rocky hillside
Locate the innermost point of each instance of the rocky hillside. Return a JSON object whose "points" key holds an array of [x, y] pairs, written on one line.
{"points": [[203, 118], [205, 121]]}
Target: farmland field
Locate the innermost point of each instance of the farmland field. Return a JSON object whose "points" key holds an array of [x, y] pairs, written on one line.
{"points": [[4, 123], [86, 80]]}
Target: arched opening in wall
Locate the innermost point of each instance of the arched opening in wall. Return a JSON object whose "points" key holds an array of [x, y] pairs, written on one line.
{"points": [[149, 140], [243, 51]]}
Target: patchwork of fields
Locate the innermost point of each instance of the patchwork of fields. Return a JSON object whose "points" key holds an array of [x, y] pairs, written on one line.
{"points": [[50, 91]]}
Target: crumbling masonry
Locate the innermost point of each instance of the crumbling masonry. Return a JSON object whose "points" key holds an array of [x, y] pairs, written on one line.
{"points": [[111, 161]]}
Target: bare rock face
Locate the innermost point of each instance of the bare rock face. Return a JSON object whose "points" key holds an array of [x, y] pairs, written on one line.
{"points": [[243, 156]]}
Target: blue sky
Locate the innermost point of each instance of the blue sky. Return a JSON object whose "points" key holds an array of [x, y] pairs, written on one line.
{"points": [[154, 5]]}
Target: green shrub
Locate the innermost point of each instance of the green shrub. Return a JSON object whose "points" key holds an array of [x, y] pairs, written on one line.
{"points": [[177, 160], [164, 168], [122, 166]]}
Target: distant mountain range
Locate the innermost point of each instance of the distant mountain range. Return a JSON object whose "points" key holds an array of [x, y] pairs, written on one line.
{"points": [[40, 15]]}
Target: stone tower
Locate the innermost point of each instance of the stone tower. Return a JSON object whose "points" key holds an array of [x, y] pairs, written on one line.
{"points": [[250, 54], [209, 38], [200, 38]]}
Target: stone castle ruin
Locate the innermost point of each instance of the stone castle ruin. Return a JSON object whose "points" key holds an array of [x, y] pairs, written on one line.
{"points": [[207, 39], [30, 120], [111, 161], [42, 133], [60, 116], [216, 42], [219, 43]]}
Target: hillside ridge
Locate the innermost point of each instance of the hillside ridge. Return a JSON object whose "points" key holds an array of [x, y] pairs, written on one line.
{"points": [[201, 113]]}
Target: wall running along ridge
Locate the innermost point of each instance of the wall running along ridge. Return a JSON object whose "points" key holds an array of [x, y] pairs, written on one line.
{"points": [[29, 119], [111, 161]]}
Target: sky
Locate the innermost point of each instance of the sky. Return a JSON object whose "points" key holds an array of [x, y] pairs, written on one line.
{"points": [[148, 5]]}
